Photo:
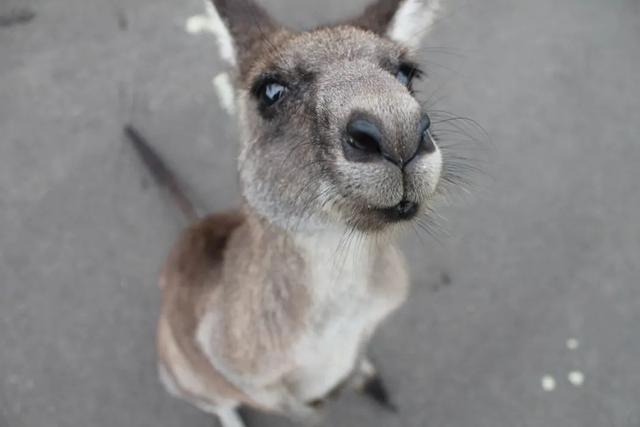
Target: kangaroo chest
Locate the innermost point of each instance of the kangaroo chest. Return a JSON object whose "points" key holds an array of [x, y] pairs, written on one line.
{"points": [[349, 301]]}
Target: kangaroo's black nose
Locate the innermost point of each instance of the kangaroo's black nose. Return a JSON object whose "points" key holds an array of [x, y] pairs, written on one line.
{"points": [[366, 142], [364, 136]]}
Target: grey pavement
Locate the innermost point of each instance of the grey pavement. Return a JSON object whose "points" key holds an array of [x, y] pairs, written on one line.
{"points": [[544, 252]]}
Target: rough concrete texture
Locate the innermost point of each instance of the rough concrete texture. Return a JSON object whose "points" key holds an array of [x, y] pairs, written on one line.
{"points": [[546, 249]]}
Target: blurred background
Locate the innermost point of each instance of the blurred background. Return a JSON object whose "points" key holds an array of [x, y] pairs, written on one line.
{"points": [[525, 313]]}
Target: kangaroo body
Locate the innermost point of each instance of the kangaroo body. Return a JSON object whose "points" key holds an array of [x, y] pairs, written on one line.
{"points": [[272, 306], [267, 334]]}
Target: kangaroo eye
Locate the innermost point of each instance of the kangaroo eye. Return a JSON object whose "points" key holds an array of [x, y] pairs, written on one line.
{"points": [[272, 93], [406, 74]]}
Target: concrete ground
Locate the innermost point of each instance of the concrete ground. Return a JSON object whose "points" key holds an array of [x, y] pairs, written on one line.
{"points": [[543, 258]]}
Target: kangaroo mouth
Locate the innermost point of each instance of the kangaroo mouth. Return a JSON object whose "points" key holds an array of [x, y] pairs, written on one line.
{"points": [[406, 210], [369, 218]]}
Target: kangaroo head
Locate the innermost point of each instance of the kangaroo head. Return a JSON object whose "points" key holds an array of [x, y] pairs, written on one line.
{"points": [[332, 131]]}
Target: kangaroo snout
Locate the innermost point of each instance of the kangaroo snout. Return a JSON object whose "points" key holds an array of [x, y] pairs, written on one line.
{"points": [[366, 141]]}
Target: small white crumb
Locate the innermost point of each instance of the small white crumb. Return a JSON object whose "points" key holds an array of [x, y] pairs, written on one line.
{"points": [[548, 383], [573, 344], [576, 378]]}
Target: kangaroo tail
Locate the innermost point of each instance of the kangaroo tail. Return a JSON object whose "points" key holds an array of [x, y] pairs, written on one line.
{"points": [[161, 173]]}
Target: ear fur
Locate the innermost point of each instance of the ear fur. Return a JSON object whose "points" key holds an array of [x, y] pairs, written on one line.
{"points": [[404, 21], [239, 26]]}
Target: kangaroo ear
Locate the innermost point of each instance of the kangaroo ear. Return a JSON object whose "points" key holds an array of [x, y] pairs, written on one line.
{"points": [[239, 27], [404, 21]]}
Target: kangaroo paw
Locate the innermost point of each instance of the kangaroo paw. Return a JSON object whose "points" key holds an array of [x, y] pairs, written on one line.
{"points": [[375, 389], [369, 383]]}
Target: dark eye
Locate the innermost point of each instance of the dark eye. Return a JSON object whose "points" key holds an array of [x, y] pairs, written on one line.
{"points": [[272, 92], [406, 74]]}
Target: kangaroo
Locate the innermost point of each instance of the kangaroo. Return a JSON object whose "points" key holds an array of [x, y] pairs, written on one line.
{"points": [[272, 305]]}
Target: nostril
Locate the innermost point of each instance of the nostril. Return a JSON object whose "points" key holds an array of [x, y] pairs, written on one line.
{"points": [[425, 124], [427, 144], [364, 136], [364, 142], [426, 139]]}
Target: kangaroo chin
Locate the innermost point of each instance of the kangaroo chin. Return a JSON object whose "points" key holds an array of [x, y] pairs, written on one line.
{"points": [[272, 305]]}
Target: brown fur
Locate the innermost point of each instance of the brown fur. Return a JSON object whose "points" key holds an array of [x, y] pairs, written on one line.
{"points": [[193, 272], [264, 305]]}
